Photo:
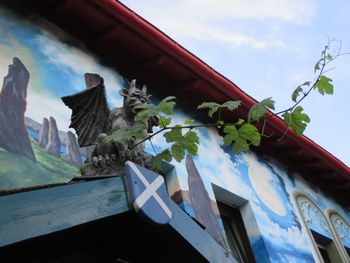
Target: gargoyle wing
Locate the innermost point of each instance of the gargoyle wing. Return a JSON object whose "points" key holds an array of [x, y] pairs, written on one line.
{"points": [[90, 113]]}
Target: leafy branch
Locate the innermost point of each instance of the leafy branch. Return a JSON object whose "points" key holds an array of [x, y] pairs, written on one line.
{"points": [[241, 134]]}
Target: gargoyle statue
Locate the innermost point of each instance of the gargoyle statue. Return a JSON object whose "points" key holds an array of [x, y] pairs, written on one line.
{"points": [[94, 123]]}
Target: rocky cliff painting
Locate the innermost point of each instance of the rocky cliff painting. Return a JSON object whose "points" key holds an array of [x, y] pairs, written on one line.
{"points": [[37, 146]]}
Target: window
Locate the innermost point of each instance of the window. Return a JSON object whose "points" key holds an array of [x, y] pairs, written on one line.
{"points": [[325, 249], [341, 229], [323, 245], [236, 234]]}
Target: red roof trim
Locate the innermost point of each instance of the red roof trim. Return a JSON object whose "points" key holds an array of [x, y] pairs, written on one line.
{"points": [[198, 66]]}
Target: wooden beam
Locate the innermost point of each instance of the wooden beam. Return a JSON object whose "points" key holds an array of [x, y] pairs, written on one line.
{"points": [[30, 214], [153, 63]]}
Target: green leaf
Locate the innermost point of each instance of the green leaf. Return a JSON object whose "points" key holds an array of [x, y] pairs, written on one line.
{"points": [[240, 122], [146, 111], [167, 105], [178, 152], [296, 93], [296, 120], [317, 66], [174, 134], [182, 143], [241, 138], [231, 105], [127, 135], [157, 160], [189, 122], [212, 106], [247, 134], [329, 57], [219, 124], [231, 134], [324, 85], [250, 133], [258, 110], [299, 90], [163, 122]]}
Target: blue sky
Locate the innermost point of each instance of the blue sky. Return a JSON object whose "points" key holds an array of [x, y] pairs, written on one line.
{"points": [[267, 48]]}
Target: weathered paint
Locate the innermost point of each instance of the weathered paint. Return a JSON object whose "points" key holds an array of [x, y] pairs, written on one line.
{"points": [[30, 214]]}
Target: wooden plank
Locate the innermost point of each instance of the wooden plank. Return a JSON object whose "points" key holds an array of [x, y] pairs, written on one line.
{"points": [[30, 214], [198, 237]]}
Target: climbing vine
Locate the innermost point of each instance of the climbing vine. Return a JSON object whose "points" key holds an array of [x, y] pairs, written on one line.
{"points": [[239, 135]]}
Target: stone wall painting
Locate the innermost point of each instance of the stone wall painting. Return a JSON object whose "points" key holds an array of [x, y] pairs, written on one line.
{"points": [[36, 144]]}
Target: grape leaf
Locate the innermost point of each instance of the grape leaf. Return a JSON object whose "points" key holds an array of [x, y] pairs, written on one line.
{"points": [[258, 110], [167, 105], [241, 138], [163, 122], [296, 120], [317, 65], [127, 135], [146, 111], [296, 93], [157, 160], [189, 122], [324, 85], [214, 107], [231, 134], [182, 143], [231, 105]]}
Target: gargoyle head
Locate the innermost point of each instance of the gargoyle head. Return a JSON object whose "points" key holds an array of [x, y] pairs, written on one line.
{"points": [[134, 97]]}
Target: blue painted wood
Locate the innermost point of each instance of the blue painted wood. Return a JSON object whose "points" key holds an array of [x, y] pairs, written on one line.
{"points": [[148, 193], [30, 214], [198, 237]]}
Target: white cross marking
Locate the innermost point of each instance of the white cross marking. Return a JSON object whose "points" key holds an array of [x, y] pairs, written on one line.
{"points": [[151, 190]]}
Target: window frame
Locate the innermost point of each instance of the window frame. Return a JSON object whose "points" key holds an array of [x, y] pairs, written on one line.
{"points": [[232, 217], [310, 237]]}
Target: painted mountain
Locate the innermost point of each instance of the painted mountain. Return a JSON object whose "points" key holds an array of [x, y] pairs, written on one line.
{"points": [[32, 153]]}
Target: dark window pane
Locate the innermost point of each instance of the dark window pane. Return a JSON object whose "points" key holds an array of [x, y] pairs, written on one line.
{"points": [[236, 234]]}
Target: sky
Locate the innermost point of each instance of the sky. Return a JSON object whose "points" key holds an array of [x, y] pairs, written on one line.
{"points": [[268, 48]]}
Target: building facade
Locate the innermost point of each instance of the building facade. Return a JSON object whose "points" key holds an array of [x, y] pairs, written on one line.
{"points": [[283, 202]]}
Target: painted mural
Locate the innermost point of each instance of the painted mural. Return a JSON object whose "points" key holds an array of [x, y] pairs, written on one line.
{"points": [[274, 228], [38, 147]]}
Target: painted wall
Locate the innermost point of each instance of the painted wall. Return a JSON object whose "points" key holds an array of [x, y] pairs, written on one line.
{"points": [[46, 67], [36, 145]]}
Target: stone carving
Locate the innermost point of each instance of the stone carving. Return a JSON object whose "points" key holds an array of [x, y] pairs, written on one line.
{"points": [[72, 149], [13, 102], [44, 133], [94, 124], [311, 212], [54, 144], [341, 227]]}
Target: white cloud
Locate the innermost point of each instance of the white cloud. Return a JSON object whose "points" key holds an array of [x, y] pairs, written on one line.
{"points": [[297, 11], [74, 62], [40, 105], [210, 20], [278, 235]]}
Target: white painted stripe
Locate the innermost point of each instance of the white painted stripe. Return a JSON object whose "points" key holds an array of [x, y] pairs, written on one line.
{"points": [[149, 191]]}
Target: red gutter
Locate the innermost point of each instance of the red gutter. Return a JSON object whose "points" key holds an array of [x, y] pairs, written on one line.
{"points": [[184, 57]]}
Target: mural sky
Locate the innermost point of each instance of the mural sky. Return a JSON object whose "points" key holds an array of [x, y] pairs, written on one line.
{"points": [[56, 69]]}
